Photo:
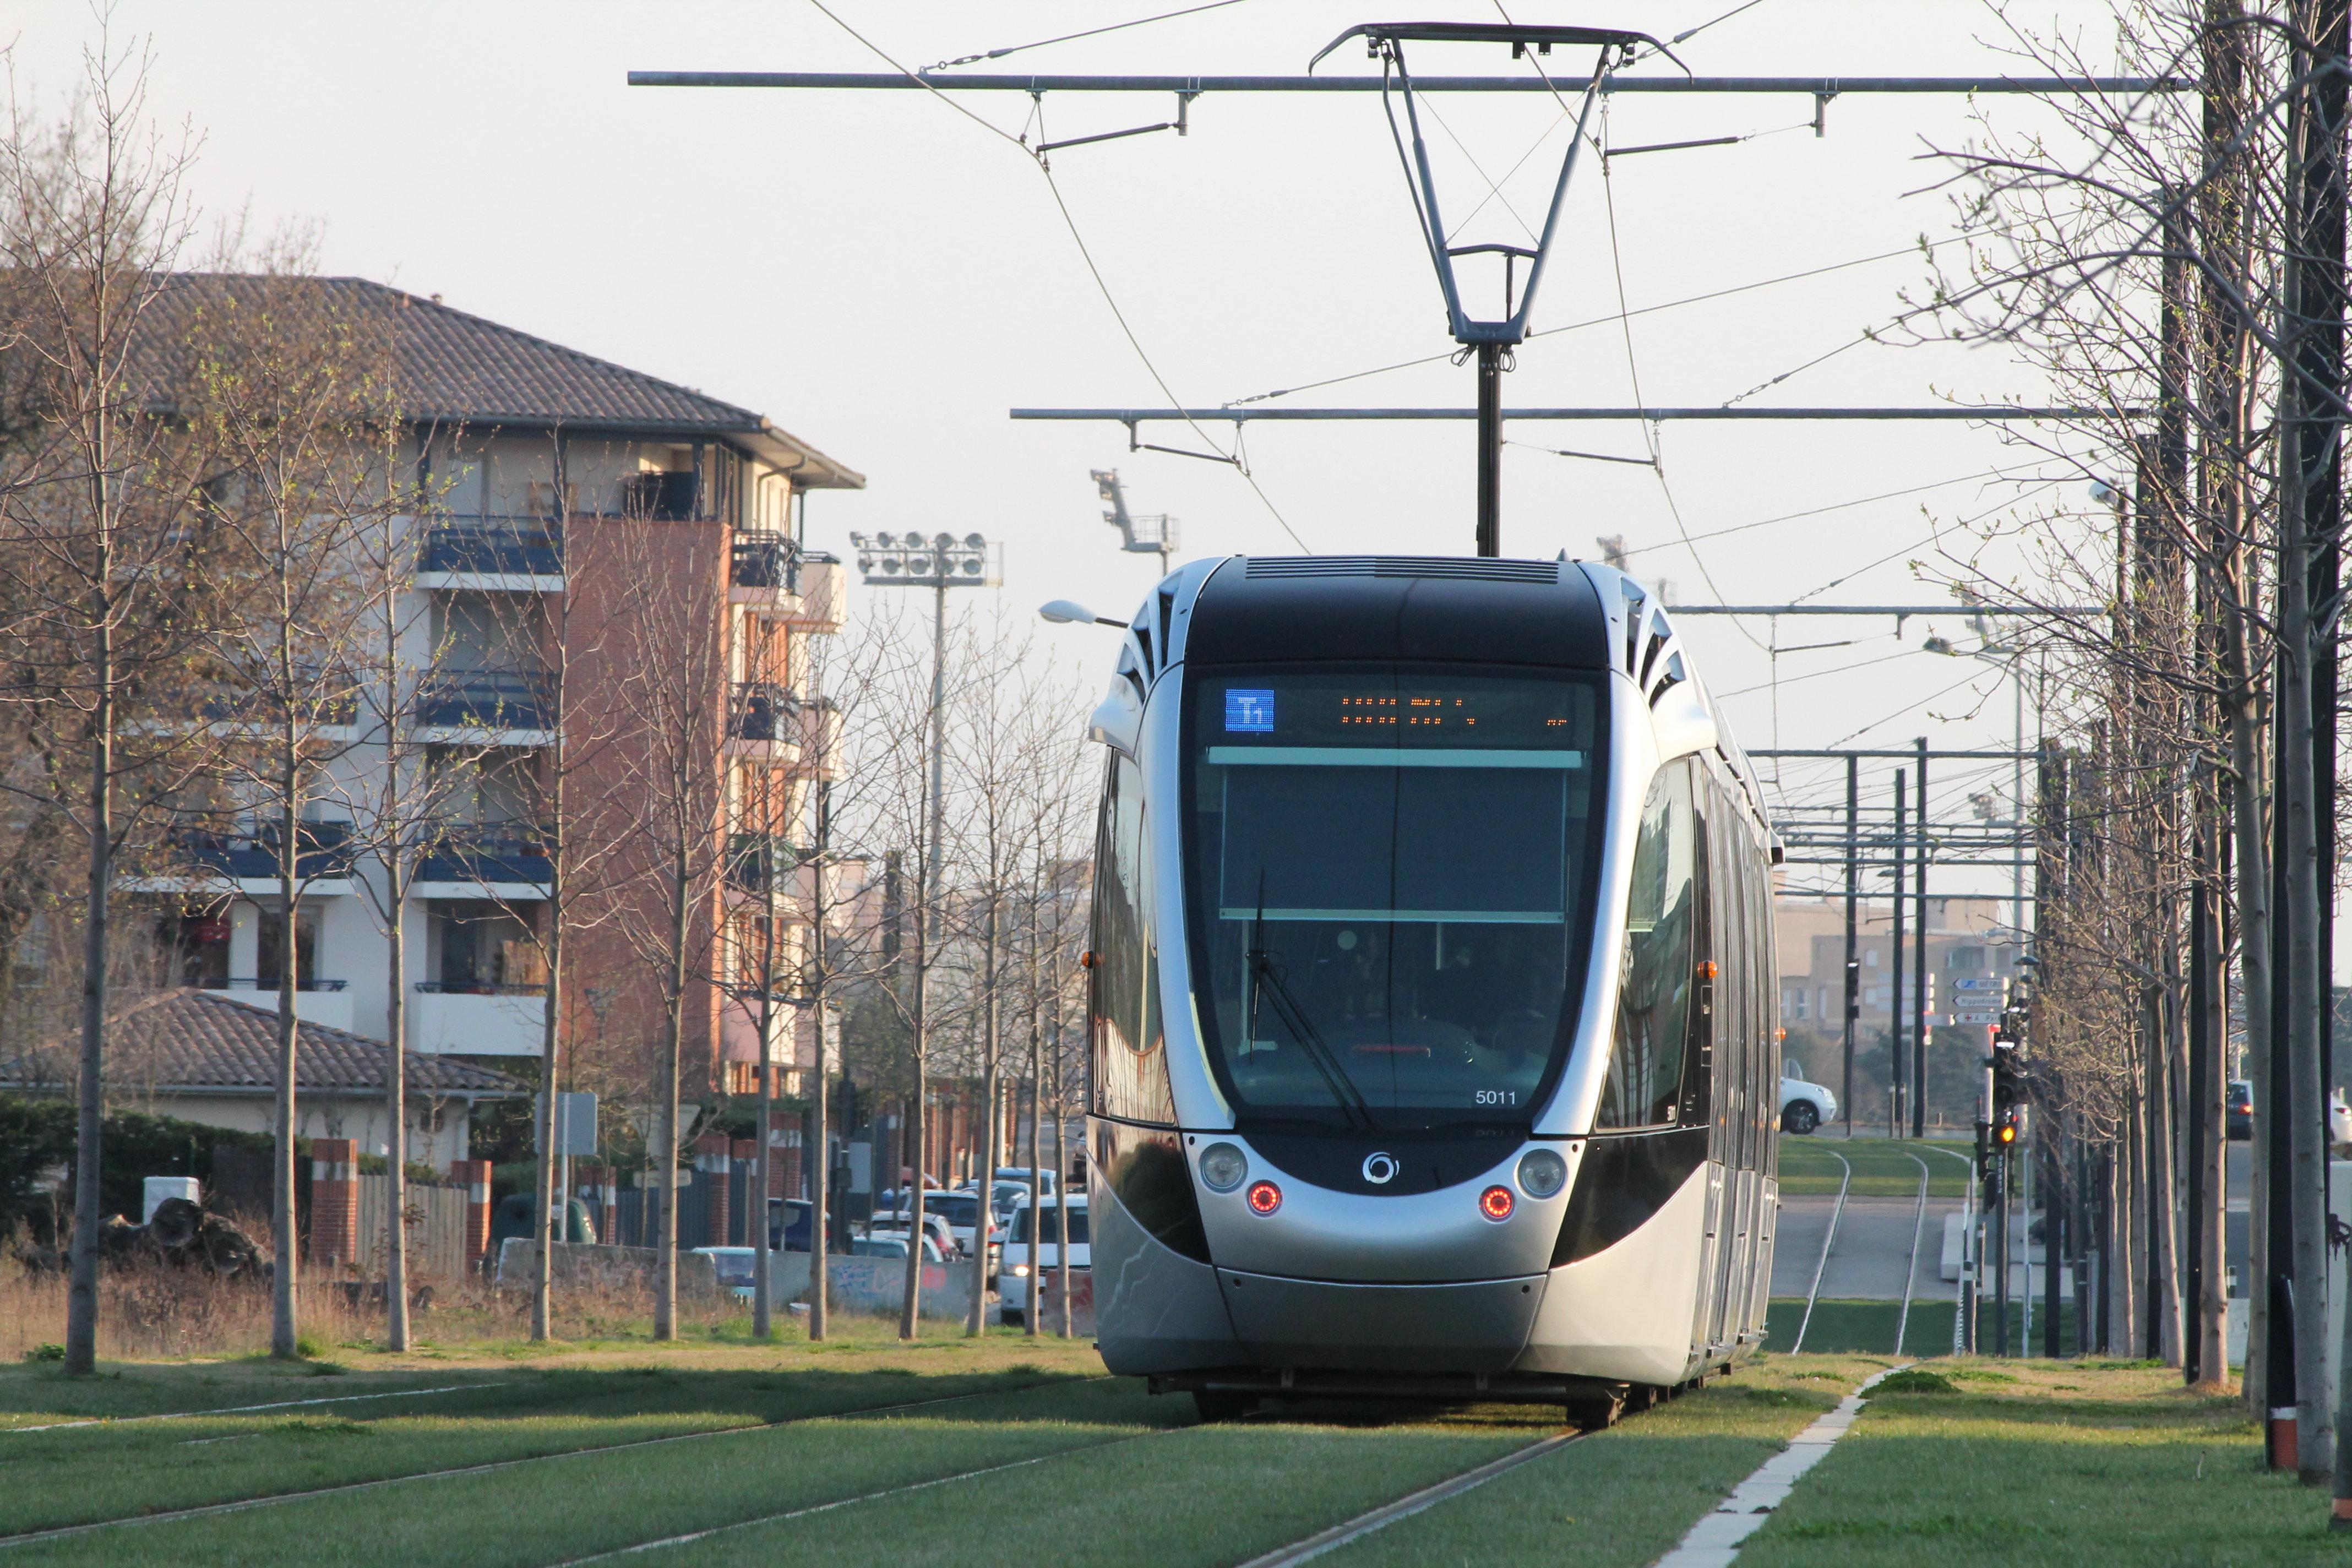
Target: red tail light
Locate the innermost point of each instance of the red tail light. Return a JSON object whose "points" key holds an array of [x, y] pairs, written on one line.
{"points": [[1496, 1203], [1264, 1198]]}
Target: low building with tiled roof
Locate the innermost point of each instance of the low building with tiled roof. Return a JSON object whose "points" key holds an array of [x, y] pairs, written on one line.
{"points": [[212, 1061]]}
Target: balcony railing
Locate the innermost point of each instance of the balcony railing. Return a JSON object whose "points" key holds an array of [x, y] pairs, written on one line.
{"points": [[503, 546], [321, 850], [485, 852], [477, 988], [766, 561], [487, 699], [764, 712], [752, 861], [234, 983]]}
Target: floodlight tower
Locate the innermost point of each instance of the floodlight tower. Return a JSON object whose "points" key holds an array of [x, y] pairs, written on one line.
{"points": [[1491, 339], [1151, 535]]}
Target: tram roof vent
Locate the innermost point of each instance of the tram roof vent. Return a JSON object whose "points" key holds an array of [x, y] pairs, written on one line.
{"points": [[1457, 568]]}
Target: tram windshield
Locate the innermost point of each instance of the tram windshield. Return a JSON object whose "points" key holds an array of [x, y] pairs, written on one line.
{"points": [[1390, 873]]}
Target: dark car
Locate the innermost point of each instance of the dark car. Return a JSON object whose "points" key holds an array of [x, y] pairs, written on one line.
{"points": [[789, 1225], [2242, 1110]]}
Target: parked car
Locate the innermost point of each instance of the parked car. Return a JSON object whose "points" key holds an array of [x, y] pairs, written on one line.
{"points": [[515, 1211], [935, 1227], [894, 1247], [2339, 1120], [1805, 1106], [1013, 1284], [789, 1225], [1017, 1177], [736, 1267], [2242, 1110], [962, 1211]]}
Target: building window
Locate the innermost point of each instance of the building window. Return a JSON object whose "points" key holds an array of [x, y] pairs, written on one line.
{"points": [[1969, 958]]}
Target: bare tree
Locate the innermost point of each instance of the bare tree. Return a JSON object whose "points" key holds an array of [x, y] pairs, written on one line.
{"points": [[94, 512]]}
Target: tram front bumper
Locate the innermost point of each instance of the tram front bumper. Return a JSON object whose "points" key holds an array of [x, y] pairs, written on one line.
{"points": [[1480, 1326]]}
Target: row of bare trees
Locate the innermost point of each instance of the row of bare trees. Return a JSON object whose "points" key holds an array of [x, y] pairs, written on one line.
{"points": [[2176, 260]]}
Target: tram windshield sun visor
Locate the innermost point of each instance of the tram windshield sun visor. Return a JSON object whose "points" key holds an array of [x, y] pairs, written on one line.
{"points": [[1391, 872]]}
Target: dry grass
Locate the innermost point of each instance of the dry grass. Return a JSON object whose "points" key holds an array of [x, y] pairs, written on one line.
{"points": [[150, 1312]]}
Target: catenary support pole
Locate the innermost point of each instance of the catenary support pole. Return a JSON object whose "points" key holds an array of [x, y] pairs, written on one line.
{"points": [[1490, 448], [1852, 895], [1895, 1060], [1919, 1025]]}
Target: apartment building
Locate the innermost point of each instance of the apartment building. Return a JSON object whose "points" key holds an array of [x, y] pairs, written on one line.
{"points": [[1972, 954], [567, 499]]}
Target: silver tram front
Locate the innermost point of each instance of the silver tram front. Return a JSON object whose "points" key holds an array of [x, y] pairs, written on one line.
{"points": [[1433, 1033]]}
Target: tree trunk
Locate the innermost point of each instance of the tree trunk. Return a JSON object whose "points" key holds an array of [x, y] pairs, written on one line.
{"points": [[673, 1033], [983, 1218], [90, 1112], [554, 1205], [396, 1094], [284, 1333]]}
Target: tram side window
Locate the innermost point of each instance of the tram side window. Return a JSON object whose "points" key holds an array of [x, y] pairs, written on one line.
{"points": [[1131, 1080], [1645, 1061]]}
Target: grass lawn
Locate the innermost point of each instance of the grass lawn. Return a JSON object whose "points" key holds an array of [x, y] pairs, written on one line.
{"points": [[594, 1397], [2105, 1463], [1883, 1168], [1621, 1499]]}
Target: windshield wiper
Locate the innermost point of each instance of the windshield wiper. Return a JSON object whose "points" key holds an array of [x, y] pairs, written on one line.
{"points": [[1266, 985]]}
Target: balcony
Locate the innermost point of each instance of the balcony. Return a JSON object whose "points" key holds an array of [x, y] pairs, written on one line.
{"points": [[327, 1002], [322, 851], [662, 498], [753, 861], [463, 1019], [496, 553], [763, 723], [328, 711], [510, 857], [765, 561], [517, 704]]}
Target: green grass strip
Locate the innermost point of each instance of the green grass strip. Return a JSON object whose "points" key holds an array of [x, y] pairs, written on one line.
{"points": [[599, 1502], [97, 1474], [2110, 1464], [1207, 1496], [1622, 1498], [1883, 1168]]}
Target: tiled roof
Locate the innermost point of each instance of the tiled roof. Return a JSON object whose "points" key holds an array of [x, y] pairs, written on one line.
{"points": [[449, 366], [190, 1040]]}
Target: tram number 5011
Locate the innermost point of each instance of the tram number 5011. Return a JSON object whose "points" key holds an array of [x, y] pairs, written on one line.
{"points": [[1499, 1097]]}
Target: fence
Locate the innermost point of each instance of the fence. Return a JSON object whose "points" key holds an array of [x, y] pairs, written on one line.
{"points": [[437, 1229]]}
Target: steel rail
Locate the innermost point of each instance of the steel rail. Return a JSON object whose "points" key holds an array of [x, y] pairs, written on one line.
{"points": [[1405, 1507], [243, 1409], [1006, 81], [1919, 1225], [272, 1500], [1821, 1264]]}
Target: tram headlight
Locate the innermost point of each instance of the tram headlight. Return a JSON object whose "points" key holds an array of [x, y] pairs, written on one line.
{"points": [[1542, 1173], [1222, 1166]]}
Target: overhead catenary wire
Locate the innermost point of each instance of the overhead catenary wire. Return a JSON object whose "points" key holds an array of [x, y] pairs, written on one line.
{"points": [[1598, 320], [1089, 33], [1101, 284]]}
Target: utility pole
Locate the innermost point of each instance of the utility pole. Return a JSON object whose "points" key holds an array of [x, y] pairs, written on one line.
{"points": [[1852, 892], [1895, 967], [939, 563], [1919, 966]]}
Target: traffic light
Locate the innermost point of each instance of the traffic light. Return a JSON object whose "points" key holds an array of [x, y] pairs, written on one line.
{"points": [[2008, 1122]]}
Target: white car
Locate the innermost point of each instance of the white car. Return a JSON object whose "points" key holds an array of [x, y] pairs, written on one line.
{"points": [[1012, 1283], [737, 1268], [1805, 1106]]}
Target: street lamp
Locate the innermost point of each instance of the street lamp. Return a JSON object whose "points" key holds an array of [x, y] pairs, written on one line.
{"points": [[938, 562]]}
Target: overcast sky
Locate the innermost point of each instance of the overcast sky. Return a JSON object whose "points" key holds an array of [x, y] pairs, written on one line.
{"points": [[884, 278]]}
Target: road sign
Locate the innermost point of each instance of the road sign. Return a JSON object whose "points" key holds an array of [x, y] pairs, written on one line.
{"points": [[575, 1124], [1975, 1017], [1980, 984]]}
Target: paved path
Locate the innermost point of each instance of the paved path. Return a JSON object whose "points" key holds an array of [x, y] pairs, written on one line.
{"points": [[1873, 1243]]}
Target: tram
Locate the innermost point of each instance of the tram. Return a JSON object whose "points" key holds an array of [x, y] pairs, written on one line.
{"points": [[1433, 1024]]}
